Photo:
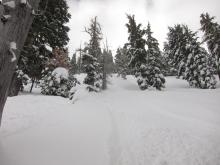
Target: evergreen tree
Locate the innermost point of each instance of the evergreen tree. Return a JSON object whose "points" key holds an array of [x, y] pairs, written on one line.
{"points": [[136, 52], [92, 57], [33, 62], [154, 61], [146, 63], [95, 34], [198, 73], [188, 57], [58, 83], [48, 30], [93, 78], [136, 45], [50, 26], [121, 62], [73, 65], [211, 31], [167, 69], [108, 61], [176, 48], [107, 65]]}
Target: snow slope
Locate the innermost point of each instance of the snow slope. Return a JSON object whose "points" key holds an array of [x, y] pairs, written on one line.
{"points": [[120, 126]]}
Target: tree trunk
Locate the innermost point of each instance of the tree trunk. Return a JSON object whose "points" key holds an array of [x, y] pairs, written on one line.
{"points": [[104, 81], [32, 84], [13, 33], [218, 74], [104, 78], [15, 87]]}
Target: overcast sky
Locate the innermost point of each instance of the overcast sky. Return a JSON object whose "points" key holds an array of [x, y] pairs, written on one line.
{"points": [[111, 15]]}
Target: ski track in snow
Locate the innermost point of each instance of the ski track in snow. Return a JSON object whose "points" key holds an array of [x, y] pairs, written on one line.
{"points": [[120, 126], [114, 140]]}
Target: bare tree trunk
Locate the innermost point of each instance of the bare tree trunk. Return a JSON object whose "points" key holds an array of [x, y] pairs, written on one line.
{"points": [[13, 32], [32, 84]]}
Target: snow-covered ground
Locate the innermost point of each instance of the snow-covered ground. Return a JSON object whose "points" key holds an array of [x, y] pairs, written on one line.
{"points": [[120, 126]]}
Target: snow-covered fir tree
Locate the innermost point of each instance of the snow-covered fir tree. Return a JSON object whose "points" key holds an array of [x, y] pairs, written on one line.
{"points": [[211, 31], [48, 30], [121, 62], [92, 56], [136, 52], [58, 83], [198, 73], [188, 57], [33, 62], [146, 63], [93, 78], [175, 48], [154, 61], [167, 69]]}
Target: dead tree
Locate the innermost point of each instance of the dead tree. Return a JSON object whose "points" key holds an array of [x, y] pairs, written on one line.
{"points": [[16, 19]]}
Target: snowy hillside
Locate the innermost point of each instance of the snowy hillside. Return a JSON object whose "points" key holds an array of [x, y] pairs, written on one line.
{"points": [[120, 126]]}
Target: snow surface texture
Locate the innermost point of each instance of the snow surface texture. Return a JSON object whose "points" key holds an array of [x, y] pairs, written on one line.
{"points": [[120, 126]]}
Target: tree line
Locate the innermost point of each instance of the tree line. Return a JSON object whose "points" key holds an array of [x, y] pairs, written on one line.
{"points": [[183, 55]]}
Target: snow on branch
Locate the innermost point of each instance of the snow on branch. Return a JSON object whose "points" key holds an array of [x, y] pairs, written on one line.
{"points": [[5, 18], [10, 4], [13, 47], [24, 3]]}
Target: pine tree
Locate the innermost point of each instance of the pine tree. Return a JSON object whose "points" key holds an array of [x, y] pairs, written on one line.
{"points": [[33, 62], [175, 49], [58, 83], [136, 52], [154, 61], [188, 57], [92, 57], [93, 77], [50, 26], [136, 45], [95, 34], [198, 73], [146, 63], [48, 30], [167, 69], [121, 62], [109, 63], [211, 31]]}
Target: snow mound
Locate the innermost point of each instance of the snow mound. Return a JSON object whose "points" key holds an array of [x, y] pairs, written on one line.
{"points": [[78, 92], [60, 73]]}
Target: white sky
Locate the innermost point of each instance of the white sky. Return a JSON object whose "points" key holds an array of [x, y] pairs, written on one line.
{"points": [[111, 15]]}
